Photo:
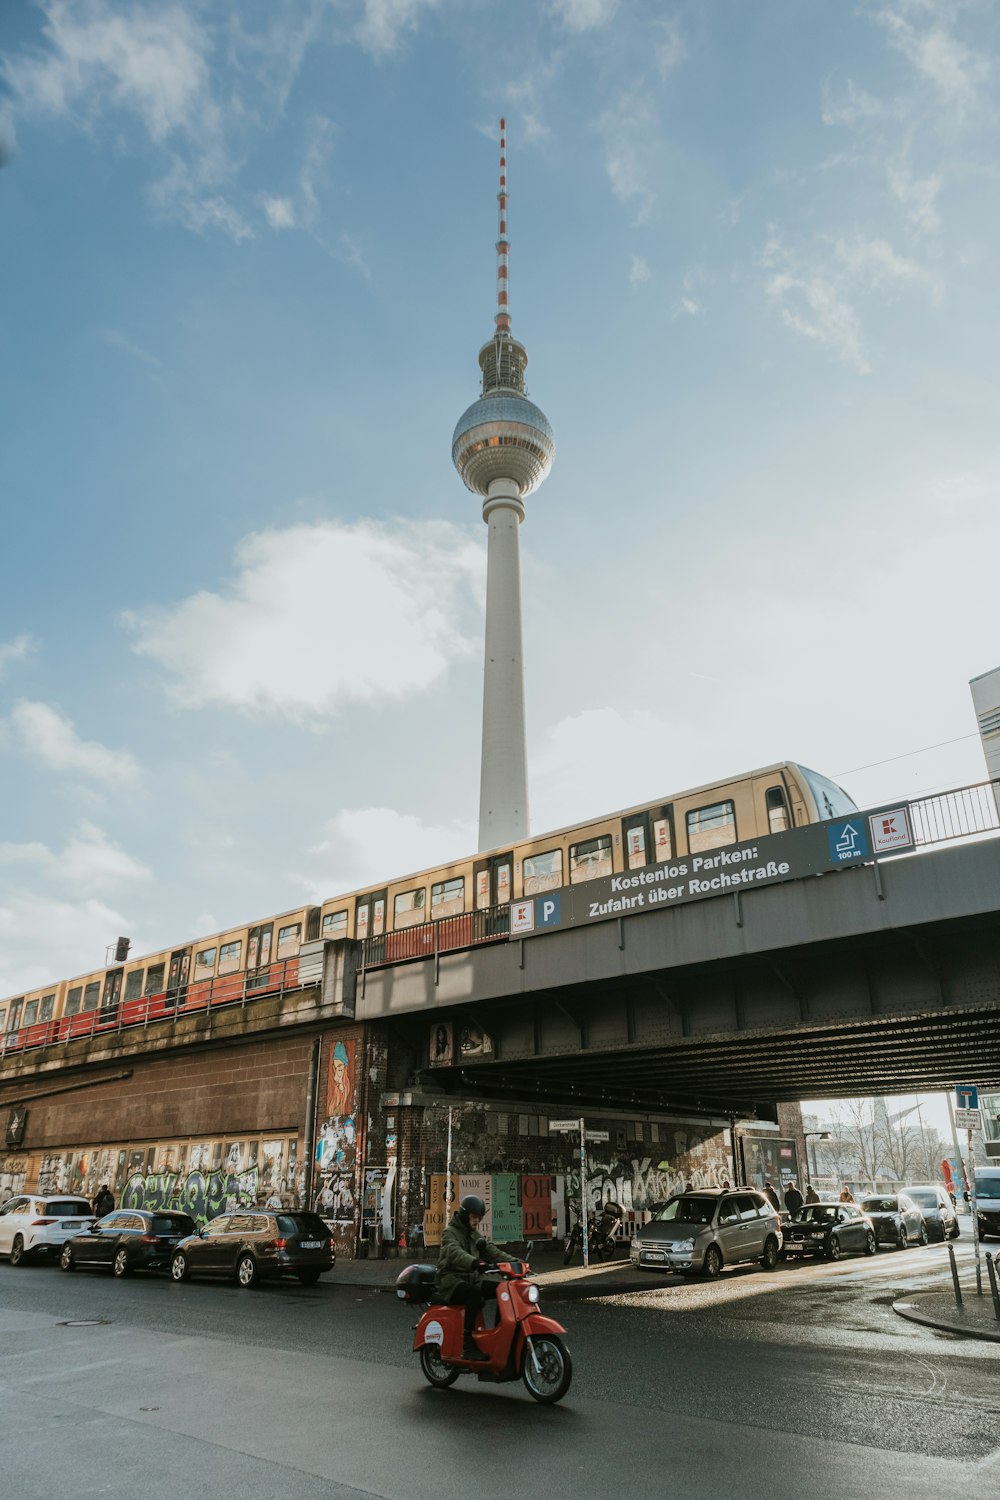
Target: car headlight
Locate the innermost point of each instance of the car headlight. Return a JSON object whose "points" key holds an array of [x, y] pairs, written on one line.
{"points": [[532, 1294], [683, 1244]]}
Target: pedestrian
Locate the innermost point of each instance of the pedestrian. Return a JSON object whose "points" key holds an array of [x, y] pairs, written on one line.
{"points": [[846, 1196], [771, 1194], [811, 1194], [689, 1188], [793, 1198], [275, 1200], [726, 1185], [104, 1202]]}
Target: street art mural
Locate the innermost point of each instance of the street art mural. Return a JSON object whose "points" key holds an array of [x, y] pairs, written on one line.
{"points": [[336, 1139], [689, 1155], [12, 1175], [203, 1195]]}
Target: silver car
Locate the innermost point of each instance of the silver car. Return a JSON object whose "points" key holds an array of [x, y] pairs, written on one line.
{"points": [[897, 1220], [703, 1231]]}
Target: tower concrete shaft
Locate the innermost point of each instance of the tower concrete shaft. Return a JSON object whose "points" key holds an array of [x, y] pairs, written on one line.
{"points": [[503, 448]]}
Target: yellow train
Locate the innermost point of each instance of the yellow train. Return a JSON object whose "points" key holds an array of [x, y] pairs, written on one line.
{"points": [[431, 910]]}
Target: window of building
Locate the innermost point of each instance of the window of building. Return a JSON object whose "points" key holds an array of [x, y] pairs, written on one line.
{"points": [[133, 984], [447, 898], [154, 980], [711, 827], [635, 1130], [91, 994], [48, 1008], [229, 957], [654, 1133], [31, 1013], [777, 809], [590, 859], [335, 924], [543, 872], [410, 907], [74, 999], [204, 963], [288, 940]]}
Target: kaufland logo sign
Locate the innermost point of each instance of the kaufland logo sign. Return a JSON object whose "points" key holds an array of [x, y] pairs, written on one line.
{"points": [[890, 830]]}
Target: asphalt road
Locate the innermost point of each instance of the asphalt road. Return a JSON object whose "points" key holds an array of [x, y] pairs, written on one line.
{"points": [[757, 1385]]}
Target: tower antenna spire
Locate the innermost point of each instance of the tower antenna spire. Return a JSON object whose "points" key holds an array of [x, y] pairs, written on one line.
{"points": [[503, 244]]}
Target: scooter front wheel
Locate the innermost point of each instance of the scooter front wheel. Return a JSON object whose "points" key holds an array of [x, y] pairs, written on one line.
{"points": [[547, 1369], [435, 1370]]}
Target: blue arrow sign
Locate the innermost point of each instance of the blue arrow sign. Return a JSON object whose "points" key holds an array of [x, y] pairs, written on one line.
{"points": [[848, 841]]}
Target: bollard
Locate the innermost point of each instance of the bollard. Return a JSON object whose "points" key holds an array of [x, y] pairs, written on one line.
{"points": [[991, 1272], [954, 1276]]}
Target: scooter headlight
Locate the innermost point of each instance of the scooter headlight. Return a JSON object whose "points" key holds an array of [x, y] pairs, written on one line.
{"points": [[532, 1294]]}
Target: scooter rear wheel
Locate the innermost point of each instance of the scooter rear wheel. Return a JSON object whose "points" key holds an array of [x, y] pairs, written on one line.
{"points": [[550, 1381], [435, 1370]]}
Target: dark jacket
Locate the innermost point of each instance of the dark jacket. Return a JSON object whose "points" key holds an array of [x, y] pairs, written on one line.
{"points": [[771, 1194], [793, 1200], [103, 1204], [460, 1257]]}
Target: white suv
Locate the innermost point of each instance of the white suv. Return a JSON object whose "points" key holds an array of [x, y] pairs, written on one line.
{"points": [[40, 1226]]}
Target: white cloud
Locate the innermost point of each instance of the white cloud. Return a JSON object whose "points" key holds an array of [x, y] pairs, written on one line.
{"points": [[16, 650], [117, 340], [631, 152], [285, 636], [50, 736], [670, 49], [385, 21], [584, 15], [816, 290], [639, 271], [42, 939], [88, 862], [596, 761], [918, 195], [955, 72], [365, 844], [279, 212], [853, 105]]}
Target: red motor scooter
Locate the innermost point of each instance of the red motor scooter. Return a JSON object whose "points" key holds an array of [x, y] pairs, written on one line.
{"points": [[524, 1345]]}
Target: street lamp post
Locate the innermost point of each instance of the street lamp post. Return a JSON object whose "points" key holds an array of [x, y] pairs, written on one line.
{"points": [[818, 1135]]}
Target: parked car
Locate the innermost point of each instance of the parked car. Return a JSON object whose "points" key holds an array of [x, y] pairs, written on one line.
{"points": [[128, 1240], [706, 1230], [38, 1225], [831, 1230], [897, 1219], [255, 1246], [937, 1209], [988, 1200]]}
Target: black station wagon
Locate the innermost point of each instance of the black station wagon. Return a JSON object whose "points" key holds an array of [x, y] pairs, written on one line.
{"points": [[256, 1245]]}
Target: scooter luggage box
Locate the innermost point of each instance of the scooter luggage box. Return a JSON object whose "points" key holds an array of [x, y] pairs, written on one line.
{"points": [[416, 1284]]}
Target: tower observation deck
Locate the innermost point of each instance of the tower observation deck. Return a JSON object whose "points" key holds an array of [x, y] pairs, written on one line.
{"points": [[503, 448]]}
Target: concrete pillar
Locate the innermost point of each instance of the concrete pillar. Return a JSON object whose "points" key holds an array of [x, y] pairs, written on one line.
{"points": [[503, 788]]}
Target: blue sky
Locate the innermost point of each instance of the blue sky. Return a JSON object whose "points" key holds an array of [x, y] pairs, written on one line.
{"points": [[248, 257]]}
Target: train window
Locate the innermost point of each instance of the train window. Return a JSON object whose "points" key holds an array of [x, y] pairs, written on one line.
{"points": [[3, 1016], [154, 979], [335, 924], [777, 809], [229, 957], [590, 859], [288, 941], [74, 1000], [409, 907], [48, 1007], [663, 837], [204, 963], [133, 984], [711, 827], [542, 872], [448, 898], [635, 846], [91, 994], [378, 917], [31, 1013]]}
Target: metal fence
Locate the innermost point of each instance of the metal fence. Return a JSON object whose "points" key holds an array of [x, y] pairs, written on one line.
{"points": [[960, 814]]}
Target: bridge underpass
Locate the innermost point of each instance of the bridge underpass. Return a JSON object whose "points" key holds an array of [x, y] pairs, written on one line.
{"points": [[870, 980]]}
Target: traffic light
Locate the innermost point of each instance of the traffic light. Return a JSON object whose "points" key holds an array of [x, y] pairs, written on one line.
{"points": [[121, 950]]}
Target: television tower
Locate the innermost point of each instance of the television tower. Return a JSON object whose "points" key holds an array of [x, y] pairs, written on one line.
{"points": [[503, 448]]}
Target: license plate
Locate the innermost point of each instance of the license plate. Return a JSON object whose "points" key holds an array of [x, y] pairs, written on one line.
{"points": [[654, 1255], [311, 1245]]}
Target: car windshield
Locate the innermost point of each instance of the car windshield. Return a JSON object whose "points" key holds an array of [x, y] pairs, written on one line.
{"points": [[687, 1211], [926, 1197], [173, 1224], [987, 1186], [818, 1213], [880, 1205]]}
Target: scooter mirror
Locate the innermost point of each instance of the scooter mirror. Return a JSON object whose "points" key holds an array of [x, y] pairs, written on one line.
{"points": [[529, 1246]]}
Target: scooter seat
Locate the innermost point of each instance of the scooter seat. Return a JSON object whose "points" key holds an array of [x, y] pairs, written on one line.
{"points": [[416, 1284]]}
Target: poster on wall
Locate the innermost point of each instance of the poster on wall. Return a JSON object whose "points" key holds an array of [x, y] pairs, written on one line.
{"points": [[474, 1042], [767, 1157], [481, 1184], [336, 1140], [440, 1194], [536, 1207], [441, 1046], [507, 1218]]}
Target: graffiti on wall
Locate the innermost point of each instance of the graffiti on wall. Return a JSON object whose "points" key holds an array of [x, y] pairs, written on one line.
{"points": [[697, 1158], [336, 1140], [203, 1195], [12, 1175]]}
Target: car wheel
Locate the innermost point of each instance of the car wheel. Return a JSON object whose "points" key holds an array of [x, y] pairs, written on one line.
{"points": [[309, 1278], [712, 1264], [902, 1238], [769, 1259], [66, 1259], [179, 1267], [833, 1249], [923, 1234], [17, 1251], [246, 1271], [120, 1265], [956, 1231], [871, 1243]]}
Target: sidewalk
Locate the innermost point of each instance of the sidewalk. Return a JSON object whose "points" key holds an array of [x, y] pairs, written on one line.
{"points": [[975, 1318], [558, 1281]]}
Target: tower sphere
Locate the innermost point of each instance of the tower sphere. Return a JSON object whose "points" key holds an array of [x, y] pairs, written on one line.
{"points": [[503, 436]]}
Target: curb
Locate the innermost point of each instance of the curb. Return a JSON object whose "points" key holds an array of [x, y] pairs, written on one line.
{"points": [[909, 1310]]}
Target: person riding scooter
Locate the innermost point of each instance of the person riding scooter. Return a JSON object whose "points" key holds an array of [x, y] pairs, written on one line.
{"points": [[464, 1257]]}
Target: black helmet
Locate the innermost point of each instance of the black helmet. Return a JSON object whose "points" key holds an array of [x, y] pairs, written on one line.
{"points": [[470, 1204]]}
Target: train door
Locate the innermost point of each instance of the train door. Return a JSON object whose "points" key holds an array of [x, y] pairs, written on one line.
{"points": [[647, 838], [14, 1018], [493, 878], [369, 915], [259, 955], [177, 977], [775, 816], [112, 990]]}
